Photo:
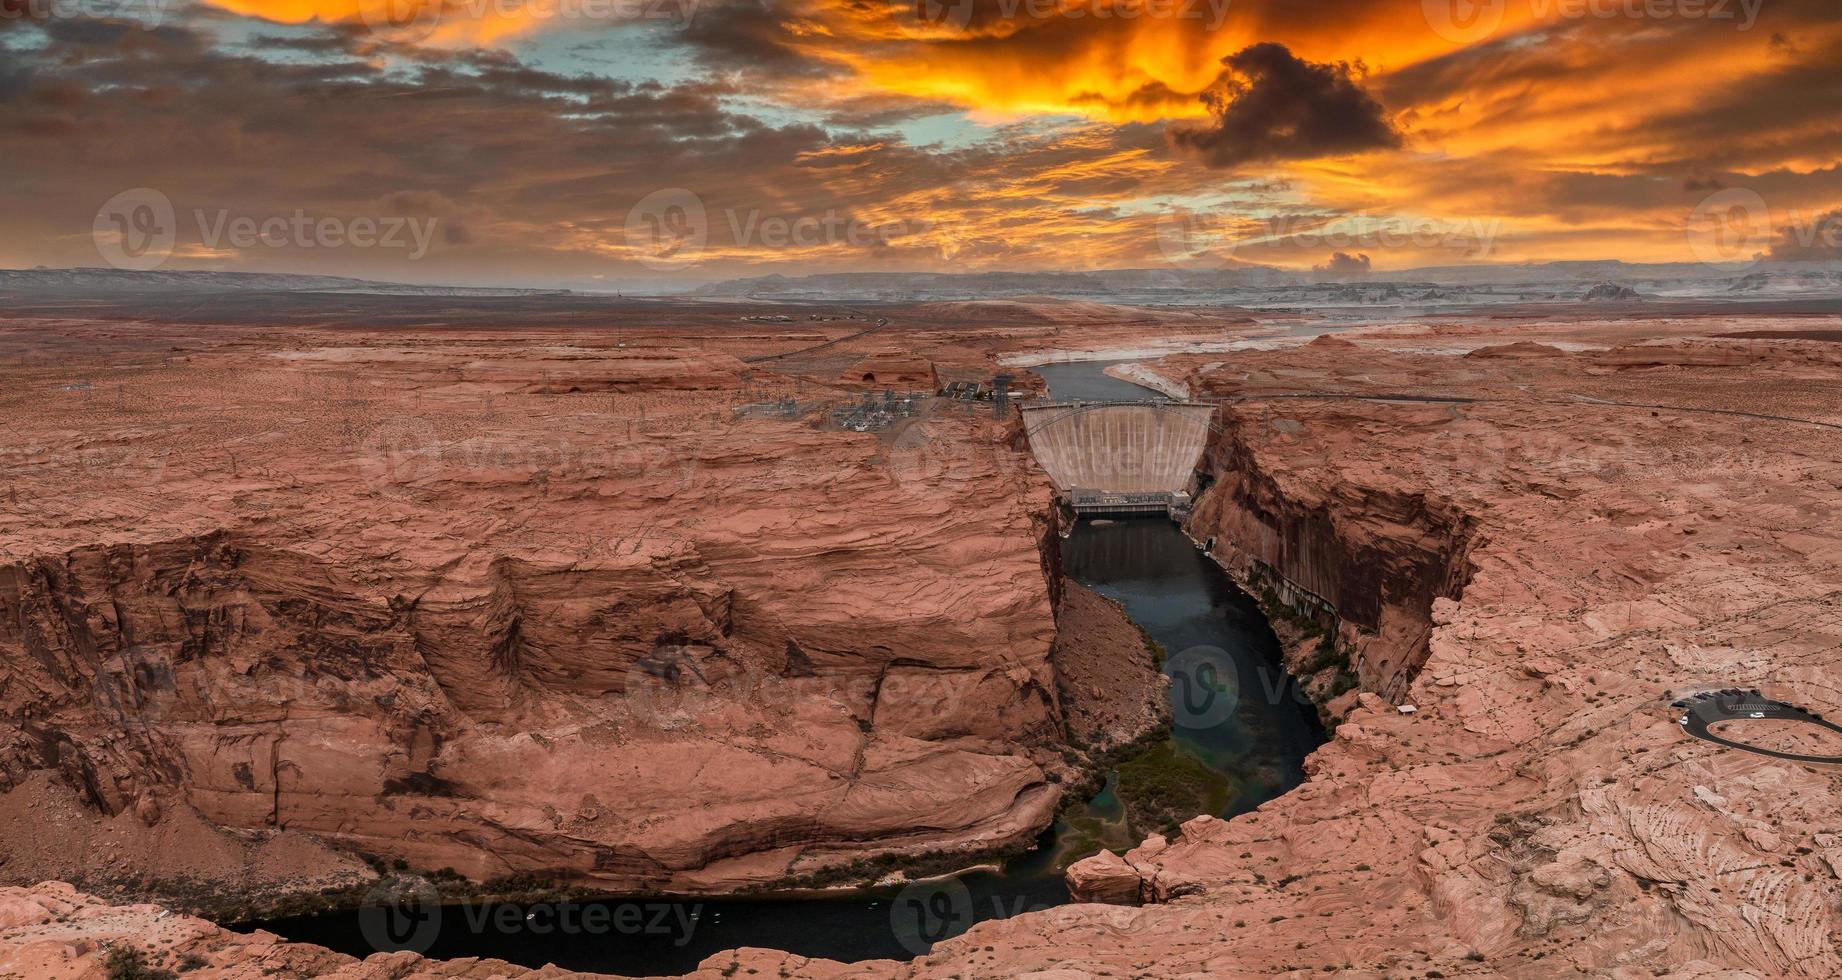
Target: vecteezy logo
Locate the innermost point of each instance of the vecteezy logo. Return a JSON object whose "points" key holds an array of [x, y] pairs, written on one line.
{"points": [[1729, 229], [668, 229], [928, 912], [155, 14], [1205, 687], [135, 230], [148, 13], [932, 18], [399, 453], [667, 688], [401, 20], [139, 683], [924, 454], [1463, 21], [401, 916], [1185, 236], [685, 13]]}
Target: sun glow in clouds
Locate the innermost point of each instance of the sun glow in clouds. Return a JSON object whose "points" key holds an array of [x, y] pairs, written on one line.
{"points": [[1014, 133]]}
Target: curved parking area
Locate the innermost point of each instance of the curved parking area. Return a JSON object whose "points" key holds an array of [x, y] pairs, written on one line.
{"points": [[1769, 727]]}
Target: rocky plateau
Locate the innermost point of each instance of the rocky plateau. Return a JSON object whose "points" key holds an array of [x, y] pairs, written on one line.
{"points": [[276, 599]]}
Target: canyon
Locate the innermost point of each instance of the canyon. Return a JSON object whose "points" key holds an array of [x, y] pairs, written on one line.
{"points": [[507, 609], [280, 600]]}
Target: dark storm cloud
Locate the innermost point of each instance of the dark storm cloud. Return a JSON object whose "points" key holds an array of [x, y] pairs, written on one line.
{"points": [[1148, 97], [1343, 265], [122, 35], [749, 36], [14, 81], [1271, 105], [871, 111], [1741, 121], [792, 108], [480, 141], [1815, 240], [1763, 118], [530, 172], [326, 43]]}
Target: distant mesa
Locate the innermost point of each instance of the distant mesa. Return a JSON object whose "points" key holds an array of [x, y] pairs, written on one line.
{"points": [[1521, 348], [91, 283], [1609, 292], [892, 369], [952, 287], [1362, 295]]}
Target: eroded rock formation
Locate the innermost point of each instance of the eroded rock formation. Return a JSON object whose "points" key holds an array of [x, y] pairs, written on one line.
{"points": [[515, 622], [1640, 515], [1517, 798]]}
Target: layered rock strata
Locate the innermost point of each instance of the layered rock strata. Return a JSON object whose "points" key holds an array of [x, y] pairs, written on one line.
{"points": [[436, 605], [1519, 798], [1644, 518]]}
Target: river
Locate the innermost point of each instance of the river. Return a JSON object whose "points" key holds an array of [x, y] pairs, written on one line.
{"points": [[1088, 380], [1239, 727]]}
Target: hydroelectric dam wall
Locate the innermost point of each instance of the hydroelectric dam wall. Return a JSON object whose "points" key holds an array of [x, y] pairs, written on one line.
{"points": [[1118, 447]]}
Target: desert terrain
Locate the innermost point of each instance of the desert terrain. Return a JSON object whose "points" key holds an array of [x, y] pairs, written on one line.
{"points": [[291, 600]]}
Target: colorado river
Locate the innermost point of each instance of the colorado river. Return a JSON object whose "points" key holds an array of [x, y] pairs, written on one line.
{"points": [[1089, 380], [1245, 737]]}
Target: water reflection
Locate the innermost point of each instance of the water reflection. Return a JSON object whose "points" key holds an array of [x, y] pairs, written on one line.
{"points": [[1253, 753], [1088, 380]]}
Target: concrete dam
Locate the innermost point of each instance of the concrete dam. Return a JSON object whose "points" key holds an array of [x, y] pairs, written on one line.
{"points": [[1119, 457]]}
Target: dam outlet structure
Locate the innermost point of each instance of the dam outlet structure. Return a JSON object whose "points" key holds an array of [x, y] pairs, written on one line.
{"points": [[1120, 457]]}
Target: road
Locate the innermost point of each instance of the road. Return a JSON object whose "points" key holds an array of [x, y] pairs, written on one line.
{"points": [[1704, 710], [1573, 399], [881, 322]]}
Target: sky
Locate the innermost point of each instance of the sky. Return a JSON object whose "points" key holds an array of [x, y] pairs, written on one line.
{"points": [[602, 143]]}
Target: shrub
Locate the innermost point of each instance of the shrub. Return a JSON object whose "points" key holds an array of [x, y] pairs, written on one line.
{"points": [[129, 963]]}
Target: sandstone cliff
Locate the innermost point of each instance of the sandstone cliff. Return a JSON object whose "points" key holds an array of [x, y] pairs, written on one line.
{"points": [[1353, 568], [1656, 518], [463, 615], [1565, 551]]}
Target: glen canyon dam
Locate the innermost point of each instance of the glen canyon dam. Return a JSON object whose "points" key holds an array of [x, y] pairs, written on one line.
{"points": [[920, 490]]}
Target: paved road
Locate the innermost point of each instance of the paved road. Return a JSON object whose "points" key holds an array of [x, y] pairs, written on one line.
{"points": [[1703, 710], [1708, 411]]}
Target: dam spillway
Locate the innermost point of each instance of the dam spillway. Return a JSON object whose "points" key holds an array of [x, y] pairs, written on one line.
{"points": [[1118, 456]]}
